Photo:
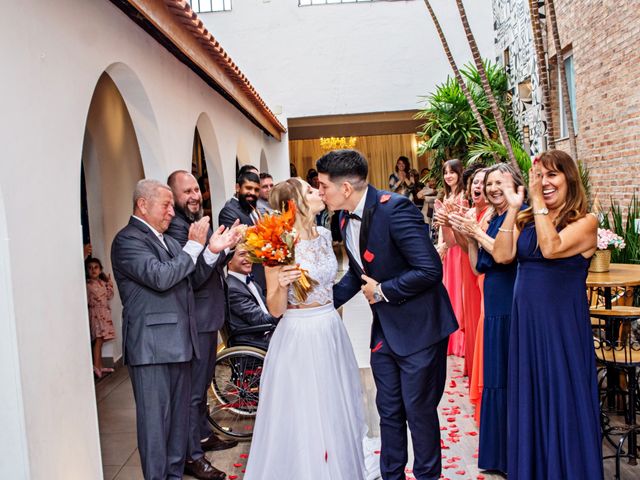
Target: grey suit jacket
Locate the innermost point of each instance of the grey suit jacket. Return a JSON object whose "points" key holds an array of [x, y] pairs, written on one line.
{"points": [[232, 211], [158, 324], [209, 288]]}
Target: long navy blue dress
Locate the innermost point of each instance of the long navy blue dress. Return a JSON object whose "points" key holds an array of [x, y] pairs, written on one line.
{"points": [[554, 428], [498, 301]]}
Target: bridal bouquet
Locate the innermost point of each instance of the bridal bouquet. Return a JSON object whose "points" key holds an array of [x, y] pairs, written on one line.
{"points": [[271, 242]]}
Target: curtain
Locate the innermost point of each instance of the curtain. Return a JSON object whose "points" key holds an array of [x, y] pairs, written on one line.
{"points": [[381, 151]]}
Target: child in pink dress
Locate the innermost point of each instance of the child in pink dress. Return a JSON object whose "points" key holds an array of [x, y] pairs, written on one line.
{"points": [[99, 293]]}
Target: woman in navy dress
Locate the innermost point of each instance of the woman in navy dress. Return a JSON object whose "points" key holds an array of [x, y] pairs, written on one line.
{"points": [[498, 300], [553, 411]]}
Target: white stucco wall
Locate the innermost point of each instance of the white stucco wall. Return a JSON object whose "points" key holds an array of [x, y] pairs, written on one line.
{"points": [[346, 58], [52, 56]]}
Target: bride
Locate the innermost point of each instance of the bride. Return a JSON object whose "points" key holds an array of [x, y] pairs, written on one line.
{"points": [[310, 422]]}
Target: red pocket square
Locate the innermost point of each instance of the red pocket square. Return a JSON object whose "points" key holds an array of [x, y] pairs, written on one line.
{"points": [[368, 256], [385, 198], [377, 347]]}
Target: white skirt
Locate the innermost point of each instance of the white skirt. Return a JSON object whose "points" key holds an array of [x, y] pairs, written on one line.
{"points": [[310, 423]]}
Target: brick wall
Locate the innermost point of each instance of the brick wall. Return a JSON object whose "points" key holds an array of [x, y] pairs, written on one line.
{"points": [[604, 36]]}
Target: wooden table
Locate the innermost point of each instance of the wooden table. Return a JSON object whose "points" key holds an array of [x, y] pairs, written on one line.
{"points": [[619, 275]]}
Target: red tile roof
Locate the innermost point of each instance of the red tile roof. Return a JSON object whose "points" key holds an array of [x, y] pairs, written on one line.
{"points": [[188, 19]]}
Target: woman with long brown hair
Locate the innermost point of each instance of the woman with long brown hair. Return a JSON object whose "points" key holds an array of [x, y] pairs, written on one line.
{"points": [[454, 259], [310, 421], [553, 410]]}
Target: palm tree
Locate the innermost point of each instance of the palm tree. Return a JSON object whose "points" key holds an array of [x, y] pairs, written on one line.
{"points": [[563, 78], [458, 75], [543, 71], [504, 136]]}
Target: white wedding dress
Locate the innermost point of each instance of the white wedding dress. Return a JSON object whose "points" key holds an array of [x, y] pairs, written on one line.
{"points": [[310, 423]]}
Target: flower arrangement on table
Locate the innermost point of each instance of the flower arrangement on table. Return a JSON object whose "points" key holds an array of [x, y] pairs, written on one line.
{"points": [[271, 242], [607, 240]]}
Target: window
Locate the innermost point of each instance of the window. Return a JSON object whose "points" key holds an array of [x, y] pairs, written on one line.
{"points": [[571, 84], [207, 6], [305, 3]]}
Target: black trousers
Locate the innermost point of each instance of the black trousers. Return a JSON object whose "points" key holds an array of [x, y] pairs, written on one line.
{"points": [[409, 390], [162, 414], [202, 370]]}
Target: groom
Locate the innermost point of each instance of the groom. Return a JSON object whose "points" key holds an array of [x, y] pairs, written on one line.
{"points": [[394, 263]]}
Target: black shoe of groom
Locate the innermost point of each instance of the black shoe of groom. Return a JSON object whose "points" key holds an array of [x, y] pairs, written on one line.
{"points": [[215, 443], [203, 470]]}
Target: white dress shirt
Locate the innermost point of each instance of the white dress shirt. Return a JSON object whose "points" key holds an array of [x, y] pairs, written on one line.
{"points": [[252, 288], [353, 230]]}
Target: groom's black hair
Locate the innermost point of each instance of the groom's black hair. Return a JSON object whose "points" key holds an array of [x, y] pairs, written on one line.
{"points": [[340, 164]]}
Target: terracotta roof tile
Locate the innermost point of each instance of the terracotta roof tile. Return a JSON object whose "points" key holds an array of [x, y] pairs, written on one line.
{"points": [[187, 17]]}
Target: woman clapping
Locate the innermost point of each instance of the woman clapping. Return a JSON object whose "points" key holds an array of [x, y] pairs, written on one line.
{"points": [[553, 411]]}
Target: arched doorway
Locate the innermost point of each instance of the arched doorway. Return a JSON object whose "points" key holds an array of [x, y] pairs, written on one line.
{"points": [[264, 165], [111, 164], [207, 165]]}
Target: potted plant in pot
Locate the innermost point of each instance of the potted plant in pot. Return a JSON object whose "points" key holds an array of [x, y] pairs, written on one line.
{"points": [[607, 241]]}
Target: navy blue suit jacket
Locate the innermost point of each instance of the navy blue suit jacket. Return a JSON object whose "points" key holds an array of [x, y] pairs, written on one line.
{"points": [[396, 251]]}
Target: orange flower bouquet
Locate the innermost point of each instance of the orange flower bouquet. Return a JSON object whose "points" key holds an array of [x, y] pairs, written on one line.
{"points": [[271, 242]]}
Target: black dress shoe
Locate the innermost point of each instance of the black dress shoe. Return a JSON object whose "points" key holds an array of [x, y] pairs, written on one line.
{"points": [[203, 470], [214, 443]]}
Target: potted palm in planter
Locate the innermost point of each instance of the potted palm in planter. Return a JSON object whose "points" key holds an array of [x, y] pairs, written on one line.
{"points": [[607, 241]]}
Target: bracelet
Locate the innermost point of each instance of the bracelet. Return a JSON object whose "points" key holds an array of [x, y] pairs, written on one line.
{"points": [[506, 230]]}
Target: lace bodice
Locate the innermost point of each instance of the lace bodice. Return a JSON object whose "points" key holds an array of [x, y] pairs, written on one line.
{"points": [[317, 257]]}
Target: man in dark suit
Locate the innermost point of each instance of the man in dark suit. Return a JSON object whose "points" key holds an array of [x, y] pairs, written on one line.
{"points": [[242, 207], [247, 303], [400, 273], [210, 313], [158, 329]]}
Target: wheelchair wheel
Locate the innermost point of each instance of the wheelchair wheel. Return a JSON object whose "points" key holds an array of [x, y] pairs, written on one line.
{"points": [[234, 391]]}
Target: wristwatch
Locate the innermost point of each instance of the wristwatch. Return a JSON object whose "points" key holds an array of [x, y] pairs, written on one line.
{"points": [[377, 294], [542, 211]]}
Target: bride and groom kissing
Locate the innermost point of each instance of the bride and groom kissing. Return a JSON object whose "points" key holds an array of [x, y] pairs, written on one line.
{"points": [[310, 423]]}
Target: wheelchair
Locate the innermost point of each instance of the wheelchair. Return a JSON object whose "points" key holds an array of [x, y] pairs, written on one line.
{"points": [[235, 388]]}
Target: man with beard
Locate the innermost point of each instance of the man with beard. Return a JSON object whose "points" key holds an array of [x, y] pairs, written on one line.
{"points": [[210, 312], [266, 184], [243, 207]]}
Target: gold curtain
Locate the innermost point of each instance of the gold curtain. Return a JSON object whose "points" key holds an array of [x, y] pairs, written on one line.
{"points": [[382, 152]]}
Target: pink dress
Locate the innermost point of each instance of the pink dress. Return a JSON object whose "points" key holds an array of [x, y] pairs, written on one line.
{"points": [[98, 295], [454, 260]]}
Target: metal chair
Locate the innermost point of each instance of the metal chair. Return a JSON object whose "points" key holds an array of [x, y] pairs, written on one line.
{"points": [[235, 388], [617, 348]]}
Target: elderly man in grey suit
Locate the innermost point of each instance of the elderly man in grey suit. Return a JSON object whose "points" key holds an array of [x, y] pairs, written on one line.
{"points": [[209, 290], [159, 328]]}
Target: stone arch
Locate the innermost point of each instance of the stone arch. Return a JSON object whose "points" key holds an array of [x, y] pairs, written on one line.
{"points": [[214, 163], [113, 163], [143, 117]]}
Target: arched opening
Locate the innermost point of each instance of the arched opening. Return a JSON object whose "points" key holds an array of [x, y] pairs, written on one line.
{"points": [[206, 166], [113, 160]]}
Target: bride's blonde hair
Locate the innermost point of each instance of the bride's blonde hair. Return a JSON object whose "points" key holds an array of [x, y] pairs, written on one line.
{"points": [[291, 189]]}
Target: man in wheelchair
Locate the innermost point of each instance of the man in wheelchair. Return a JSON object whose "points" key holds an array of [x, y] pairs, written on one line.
{"points": [[250, 323]]}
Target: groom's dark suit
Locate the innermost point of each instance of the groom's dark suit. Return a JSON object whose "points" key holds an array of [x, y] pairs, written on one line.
{"points": [[410, 332]]}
